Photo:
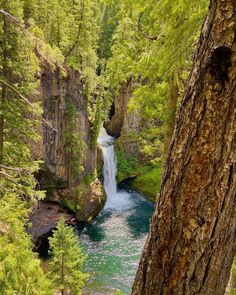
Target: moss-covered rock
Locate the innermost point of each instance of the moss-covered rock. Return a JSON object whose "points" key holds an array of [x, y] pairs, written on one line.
{"points": [[148, 183], [91, 201], [127, 165], [86, 200]]}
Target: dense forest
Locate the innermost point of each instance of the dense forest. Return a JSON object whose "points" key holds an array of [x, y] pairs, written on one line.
{"points": [[117, 126]]}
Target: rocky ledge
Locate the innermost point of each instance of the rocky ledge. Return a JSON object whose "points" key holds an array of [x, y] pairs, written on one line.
{"points": [[84, 200], [44, 218], [76, 204]]}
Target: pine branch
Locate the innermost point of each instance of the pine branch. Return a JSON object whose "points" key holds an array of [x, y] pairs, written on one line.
{"points": [[28, 102], [13, 20]]}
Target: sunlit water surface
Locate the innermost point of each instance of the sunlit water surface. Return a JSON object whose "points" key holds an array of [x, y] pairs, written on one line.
{"points": [[113, 244]]}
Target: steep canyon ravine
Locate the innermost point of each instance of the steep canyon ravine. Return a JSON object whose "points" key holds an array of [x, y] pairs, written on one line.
{"points": [[114, 241]]}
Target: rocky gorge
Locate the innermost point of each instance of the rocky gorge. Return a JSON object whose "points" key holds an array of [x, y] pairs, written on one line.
{"points": [[71, 170]]}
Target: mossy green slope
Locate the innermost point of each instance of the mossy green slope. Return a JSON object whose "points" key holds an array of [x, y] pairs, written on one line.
{"points": [[148, 182]]}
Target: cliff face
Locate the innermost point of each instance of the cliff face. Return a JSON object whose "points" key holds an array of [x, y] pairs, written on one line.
{"points": [[57, 89], [124, 123]]}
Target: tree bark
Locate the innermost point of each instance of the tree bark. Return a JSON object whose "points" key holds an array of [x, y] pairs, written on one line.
{"points": [[192, 239]]}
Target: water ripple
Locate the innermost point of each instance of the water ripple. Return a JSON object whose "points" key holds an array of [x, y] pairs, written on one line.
{"points": [[113, 243]]}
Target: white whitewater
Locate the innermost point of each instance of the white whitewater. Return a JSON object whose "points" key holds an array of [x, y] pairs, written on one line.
{"points": [[115, 200]]}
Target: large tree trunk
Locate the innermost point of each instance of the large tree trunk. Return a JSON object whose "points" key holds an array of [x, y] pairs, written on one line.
{"points": [[192, 239]]}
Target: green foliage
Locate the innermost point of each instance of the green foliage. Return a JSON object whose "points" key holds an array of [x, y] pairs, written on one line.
{"points": [[48, 53], [20, 271], [30, 9], [88, 178], [149, 43], [126, 166], [70, 205], [67, 260], [97, 123], [74, 144], [108, 26], [68, 33]]}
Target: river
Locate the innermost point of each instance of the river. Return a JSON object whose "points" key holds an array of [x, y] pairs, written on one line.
{"points": [[114, 241]]}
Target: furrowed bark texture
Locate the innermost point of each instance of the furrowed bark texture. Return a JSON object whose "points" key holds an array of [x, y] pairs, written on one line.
{"points": [[192, 239]]}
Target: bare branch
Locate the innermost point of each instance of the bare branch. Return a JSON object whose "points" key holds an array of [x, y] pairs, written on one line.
{"points": [[8, 176], [15, 169]]}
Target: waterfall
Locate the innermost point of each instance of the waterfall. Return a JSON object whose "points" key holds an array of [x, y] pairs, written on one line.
{"points": [[109, 169], [115, 200]]}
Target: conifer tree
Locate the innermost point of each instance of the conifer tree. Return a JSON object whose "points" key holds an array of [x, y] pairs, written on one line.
{"points": [[65, 269], [20, 271]]}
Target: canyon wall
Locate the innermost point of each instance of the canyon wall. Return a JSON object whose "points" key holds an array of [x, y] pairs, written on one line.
{"points": [[81, 193]]}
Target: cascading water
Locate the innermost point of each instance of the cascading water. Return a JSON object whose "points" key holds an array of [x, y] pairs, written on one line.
{"points": [[109, 170], [115, 200]]}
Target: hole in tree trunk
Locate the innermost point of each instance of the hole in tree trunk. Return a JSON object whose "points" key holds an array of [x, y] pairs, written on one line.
{"points": [[220, 62]]}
